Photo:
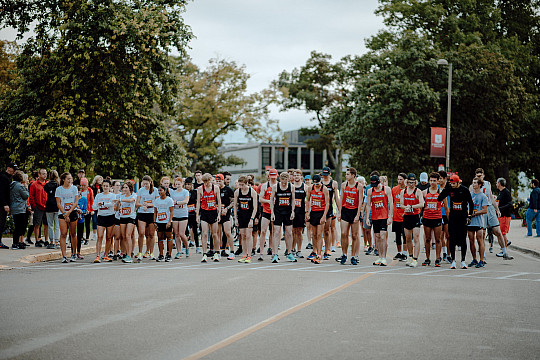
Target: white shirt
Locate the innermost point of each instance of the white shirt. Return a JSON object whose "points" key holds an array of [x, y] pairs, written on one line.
{"points": [[107, 208], [67, 197], [127, 209], [147, 199], [163, 207], [180, 211]]}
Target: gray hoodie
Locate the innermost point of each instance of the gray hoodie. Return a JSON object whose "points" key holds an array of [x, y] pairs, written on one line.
{"points": [[18, 196]]}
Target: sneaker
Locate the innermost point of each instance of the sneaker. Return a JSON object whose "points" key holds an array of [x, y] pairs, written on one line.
{"points": [[377, 262], [139, 257], [224, 253], [21, 245], [409, 261], [463, 265], [343, 259], [152, 257], [30, 242], [3, 246], [107, 259], [275, 259], [426, 262], [238, 251], [312, 256], [260, 258], [178, 255], [187, 252], [216, 257], [383, 262], [269, 252], [299, 255], [198, 250], [403, 257], [326, 256], [160, 258], [453, 265], [168, 257], [50, 246], [57, 245], [414, 263], [365, 248], [333, 248], [444, 256], [448, 259], [191, 244], [243, 259], [286, 252], [473, 263], [146, 254], [369, 251], [248, 260], [127, 259], [204, 258], [480, 264], [110, 254], [510, 243], [291, 258], [15, 246], [317, 259], [73, 258], [85, 242], [397, 257], [64, 260], [231, 256], [438, 263], [39, 243], [97, 260], [338, 244], [45, 243], [491, 249], [309, 246], [79, 257], [354, 260], [501, 254], [507, 257], [376, 252]]}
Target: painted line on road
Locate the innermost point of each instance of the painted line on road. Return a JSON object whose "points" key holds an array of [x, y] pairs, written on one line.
{"points": [[252, 329], [511, 275]]}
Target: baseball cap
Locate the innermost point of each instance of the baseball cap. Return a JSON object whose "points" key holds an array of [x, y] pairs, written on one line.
{"points": [[273, 173], [374, 180], [326, 171], [220, 177], [13, 165], [307, 177], [316, 178], [423, 177], [455, 178], [411, 176]]}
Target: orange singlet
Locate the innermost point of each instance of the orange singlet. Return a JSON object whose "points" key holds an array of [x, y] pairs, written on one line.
{"points": [[266, 196], [318, 203], [350, 197], [379, 204], [411, 199], [432, 207], [208, 200]]}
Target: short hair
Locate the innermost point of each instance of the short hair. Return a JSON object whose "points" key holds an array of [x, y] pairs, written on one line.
{"points": [[198, 172], [96, 179], [403, 175], [284, 175], [502, 181], [375, 172], [352, 171], [179, 178], [291, 170], [435, 175], [206, 177], [18, 176], [164, 178], [226, 173], [243, 179], [535, 182], [479, 171], [298, 171], [129, 184], [443, 174], [479, 181]]}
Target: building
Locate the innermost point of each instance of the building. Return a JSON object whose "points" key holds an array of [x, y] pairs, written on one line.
{"points": [[293, 153]]}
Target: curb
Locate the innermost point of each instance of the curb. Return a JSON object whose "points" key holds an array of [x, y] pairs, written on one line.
{"points": [[518, 248], [54, 255]]}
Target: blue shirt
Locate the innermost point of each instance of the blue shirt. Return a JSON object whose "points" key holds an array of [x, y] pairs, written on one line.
{"points": [[480, 200]]}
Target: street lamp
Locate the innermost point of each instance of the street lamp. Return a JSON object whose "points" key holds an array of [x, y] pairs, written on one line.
{"points": [[449, 110]]}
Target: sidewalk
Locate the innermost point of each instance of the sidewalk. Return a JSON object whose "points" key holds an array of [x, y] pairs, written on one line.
{"points": [[520, 242]]}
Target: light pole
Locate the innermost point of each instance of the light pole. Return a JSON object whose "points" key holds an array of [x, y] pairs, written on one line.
{"points": [[449, 110]]}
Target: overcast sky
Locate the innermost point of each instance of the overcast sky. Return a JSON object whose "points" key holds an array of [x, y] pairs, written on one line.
{"points": [[269, 36]]}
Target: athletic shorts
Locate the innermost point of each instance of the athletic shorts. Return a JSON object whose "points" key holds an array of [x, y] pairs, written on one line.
{"points": [[505, 224], [299, 220], [106, 221], [474, 228], [243, 220], [116, 221], [128, 220], [491, 217], [39, 217], [330, 213], [192, 220], [148, 218], [226, 217], [397, 226], [266, 215], [432, 223], [74, 216], [411, 221], [179, 218], [380, 225], [445, 220], [282, 219], [348, 215], [315, 218], [162, 227], [208, 216]]}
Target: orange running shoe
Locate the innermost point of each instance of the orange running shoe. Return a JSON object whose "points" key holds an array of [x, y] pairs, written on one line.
{"points": [[338, 244], [107, 259], [97, 259]]}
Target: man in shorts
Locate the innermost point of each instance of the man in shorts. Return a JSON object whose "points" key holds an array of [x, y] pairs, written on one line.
{"points": [[397, 218], [412, 201], [330, 225], [38, 201], [349, 216], [281, 206], [380, 202], [505, 204], [265, 191], [224, 228], [299, 221], [476, 226]]}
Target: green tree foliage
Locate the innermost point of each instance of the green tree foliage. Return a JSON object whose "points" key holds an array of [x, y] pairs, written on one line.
{"points": [[95, 87], [214, 102]]}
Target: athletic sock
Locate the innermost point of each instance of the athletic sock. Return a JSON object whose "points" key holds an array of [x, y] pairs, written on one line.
{"points": [[504, 251], [444, 250]]}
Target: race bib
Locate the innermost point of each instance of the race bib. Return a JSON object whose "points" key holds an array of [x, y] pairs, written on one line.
{"points": [[398, 204], [148, 203], [431, 206], [284, 201], [316, 203], [67, 206], [162, 216], [126, 211], [244, 205], [211, 204], [297, 202], [350, 200], [457, 206], [191, 207], [378, 204], [103, 207]]}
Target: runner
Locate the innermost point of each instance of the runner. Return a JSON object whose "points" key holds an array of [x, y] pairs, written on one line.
{"points": [[381, 204], [163, 211], [307, 182], [245, 201], [476, 227], [349, 216], [67, 197], [281, 207], [265, 191], [192, 215], [330, 224], [145, 216], [104, 203], [461, 206], [505, 204], [257, 220], [128, 221], [198, 179], [411, 202], [317, 202], [299, 221], [180, 197], [397, 218], [224, 228], [208, 203], [117, 234], [432, 219], [445, 235]]}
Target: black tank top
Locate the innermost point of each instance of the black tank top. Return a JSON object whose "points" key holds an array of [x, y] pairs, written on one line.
{"points": [[300, 198], [283, 200], [330, 195], [245, 203]]}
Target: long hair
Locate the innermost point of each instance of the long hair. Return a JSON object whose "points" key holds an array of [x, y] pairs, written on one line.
{"points": [[149, 179]]}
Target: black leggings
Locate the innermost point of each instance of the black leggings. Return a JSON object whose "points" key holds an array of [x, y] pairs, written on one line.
{"points": [[400, 235], [80, 230], [458, 236], [192, 224], [87, 220], [20, 221]]}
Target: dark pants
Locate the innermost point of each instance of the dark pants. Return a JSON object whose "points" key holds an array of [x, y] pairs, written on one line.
{"points": [[87, 225], [20, 221], [457, 227], [3, 218], [80, 230]]}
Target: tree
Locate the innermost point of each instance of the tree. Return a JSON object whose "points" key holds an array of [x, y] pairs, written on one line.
{"points": [[95, 85], [214, 102]]}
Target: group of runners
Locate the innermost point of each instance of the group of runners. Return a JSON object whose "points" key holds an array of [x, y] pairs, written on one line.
{"points": [[289, 206]]}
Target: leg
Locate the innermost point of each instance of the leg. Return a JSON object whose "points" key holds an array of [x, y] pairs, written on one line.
{"points": [[73, 236], [327, 233], [100, 232], [288, 238], [416, 238], [408, 239], [227, 230], [150, 237], [470, 235], [438, 232], [276, 240], [141, 228], [355, 235], [345, 226], [481, 244], [215, 238], [264, 227], [529, 216], [427, 246], [204, 235]]}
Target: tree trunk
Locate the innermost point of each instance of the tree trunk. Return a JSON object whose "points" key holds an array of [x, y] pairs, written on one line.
{"points": [[336, 163]]}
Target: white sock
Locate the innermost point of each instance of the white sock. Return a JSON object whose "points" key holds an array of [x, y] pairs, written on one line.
{"points": [[444, 249], [504, 251]]}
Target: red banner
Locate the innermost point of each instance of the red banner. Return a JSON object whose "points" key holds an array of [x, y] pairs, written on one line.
{"points": [[438, 142]]}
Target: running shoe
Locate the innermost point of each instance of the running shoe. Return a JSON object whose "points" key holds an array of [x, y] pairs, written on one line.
{"points": [[444, 256], [231, 256], [463, 265], [317, 259], [510, 243], [501, 254], [187, 252], [107, 259], [291, 258], [403, 257], [191, 244], [414, 263], [383, 262], [139, 257], [338, 244], [426, 262], [508, 257], [448, 259], [178, 255], [343, 259], [238, 251], [326, 256], [146, 254], [275, 259], [286, 252], [49, 247], [152, 257], [453, 265], [243, 259], [127, 259], [85, 242], [111, 254], [269, 252], [73, 258], [248, 260], [29, 242], [409, 261], [79, 257], [260, 258], [299, 255], [354, 260], [167, 257], [216, 257], [198, 250], [480, 264], [473, 263], [224, 253], [369, 250], [160, 258], [333, 248], [377, 262], [309, 246], [204, 258], [64, 260], [376, 252], [311, 256], [97, 260], [491, 249], [39, 243], [398, 256], [438, 263]]}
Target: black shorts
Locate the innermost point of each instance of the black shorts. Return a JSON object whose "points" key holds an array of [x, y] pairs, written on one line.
{"points": [[162, 227], [39, 217], [266, 216], [474, 228], [148, 218], [411, 221], [330, 213], [348, 215], [315, 218], [116, 221], [179, 218], [208, 216], [128, 220], [299, 220], [380, 225], [74, 216], [445, 220], [432, 223], [244, 219], [106, 221], [192, 220], [282, 219], [226, 217], [397, 226]]}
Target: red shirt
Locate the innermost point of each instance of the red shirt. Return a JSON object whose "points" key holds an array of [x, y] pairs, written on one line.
{"points": [[350, 197], [208, 199], [397, 215], [379, 204], [37, 195], [432, 207], [318, 202], [266, 196], [411, 199]]}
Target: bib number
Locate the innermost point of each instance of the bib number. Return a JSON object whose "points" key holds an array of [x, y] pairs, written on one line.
{"points": [[162, 216], [284, 202], [350, 200], [244, 205], [457, 206], [148, 203], [191, 207], [126, 211], [67, 206], [431, 206], [378, 204], [297, 202], [317, 203]]}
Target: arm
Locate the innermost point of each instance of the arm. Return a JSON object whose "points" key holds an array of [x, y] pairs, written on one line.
{"points": [[138, 203], [468, 197], [185, 201], [360, 203], [254, 212], [155, 214], [59, 205], [198, 204], [481, 212], [32, 196], [171, 211], [445, 204], [401, 200], [420, 205], [342, 188], [444, 194], [292, 202], [308, 202], [336, 196], [263, 190], [218, 196], [368, 207], [272, 204], [235, 205], [95, 204], [388, 192], [327, 203]]}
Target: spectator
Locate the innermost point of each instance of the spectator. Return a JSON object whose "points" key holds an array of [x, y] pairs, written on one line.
{"points": [[533, 212], [51, 211], [423, 181], [18, 208], [80, 174], [38, 202], [30, 209], [87, 194], [5, 181], [96, 188]]}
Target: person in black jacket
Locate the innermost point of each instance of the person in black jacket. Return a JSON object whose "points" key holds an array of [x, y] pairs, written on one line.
{"points": [[5, 181], [533, 212], [51, 211]]}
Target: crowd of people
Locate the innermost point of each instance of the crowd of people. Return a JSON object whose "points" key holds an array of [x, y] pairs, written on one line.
{"points": [[204, 212]]}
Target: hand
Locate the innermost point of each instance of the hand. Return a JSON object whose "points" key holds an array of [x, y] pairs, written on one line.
{"points": [[292, 215], [236, 222], [66, 216], [169, 224], [368, 222], [218, 218], [250, 224], [6, 208], [198, 218], [389, 221], [356, 219], [338, 217], [307, 217], [272, 217], [92, 213], [256, 222], [498, 213]]}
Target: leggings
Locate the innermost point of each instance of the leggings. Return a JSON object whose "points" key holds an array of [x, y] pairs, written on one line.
{"points": [[20, 221], [192, 224], [87, 220], [399, 235], [80, 230], [458, 235]]}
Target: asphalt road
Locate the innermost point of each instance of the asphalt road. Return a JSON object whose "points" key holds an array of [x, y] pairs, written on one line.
{"points": [[298, 310]]}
